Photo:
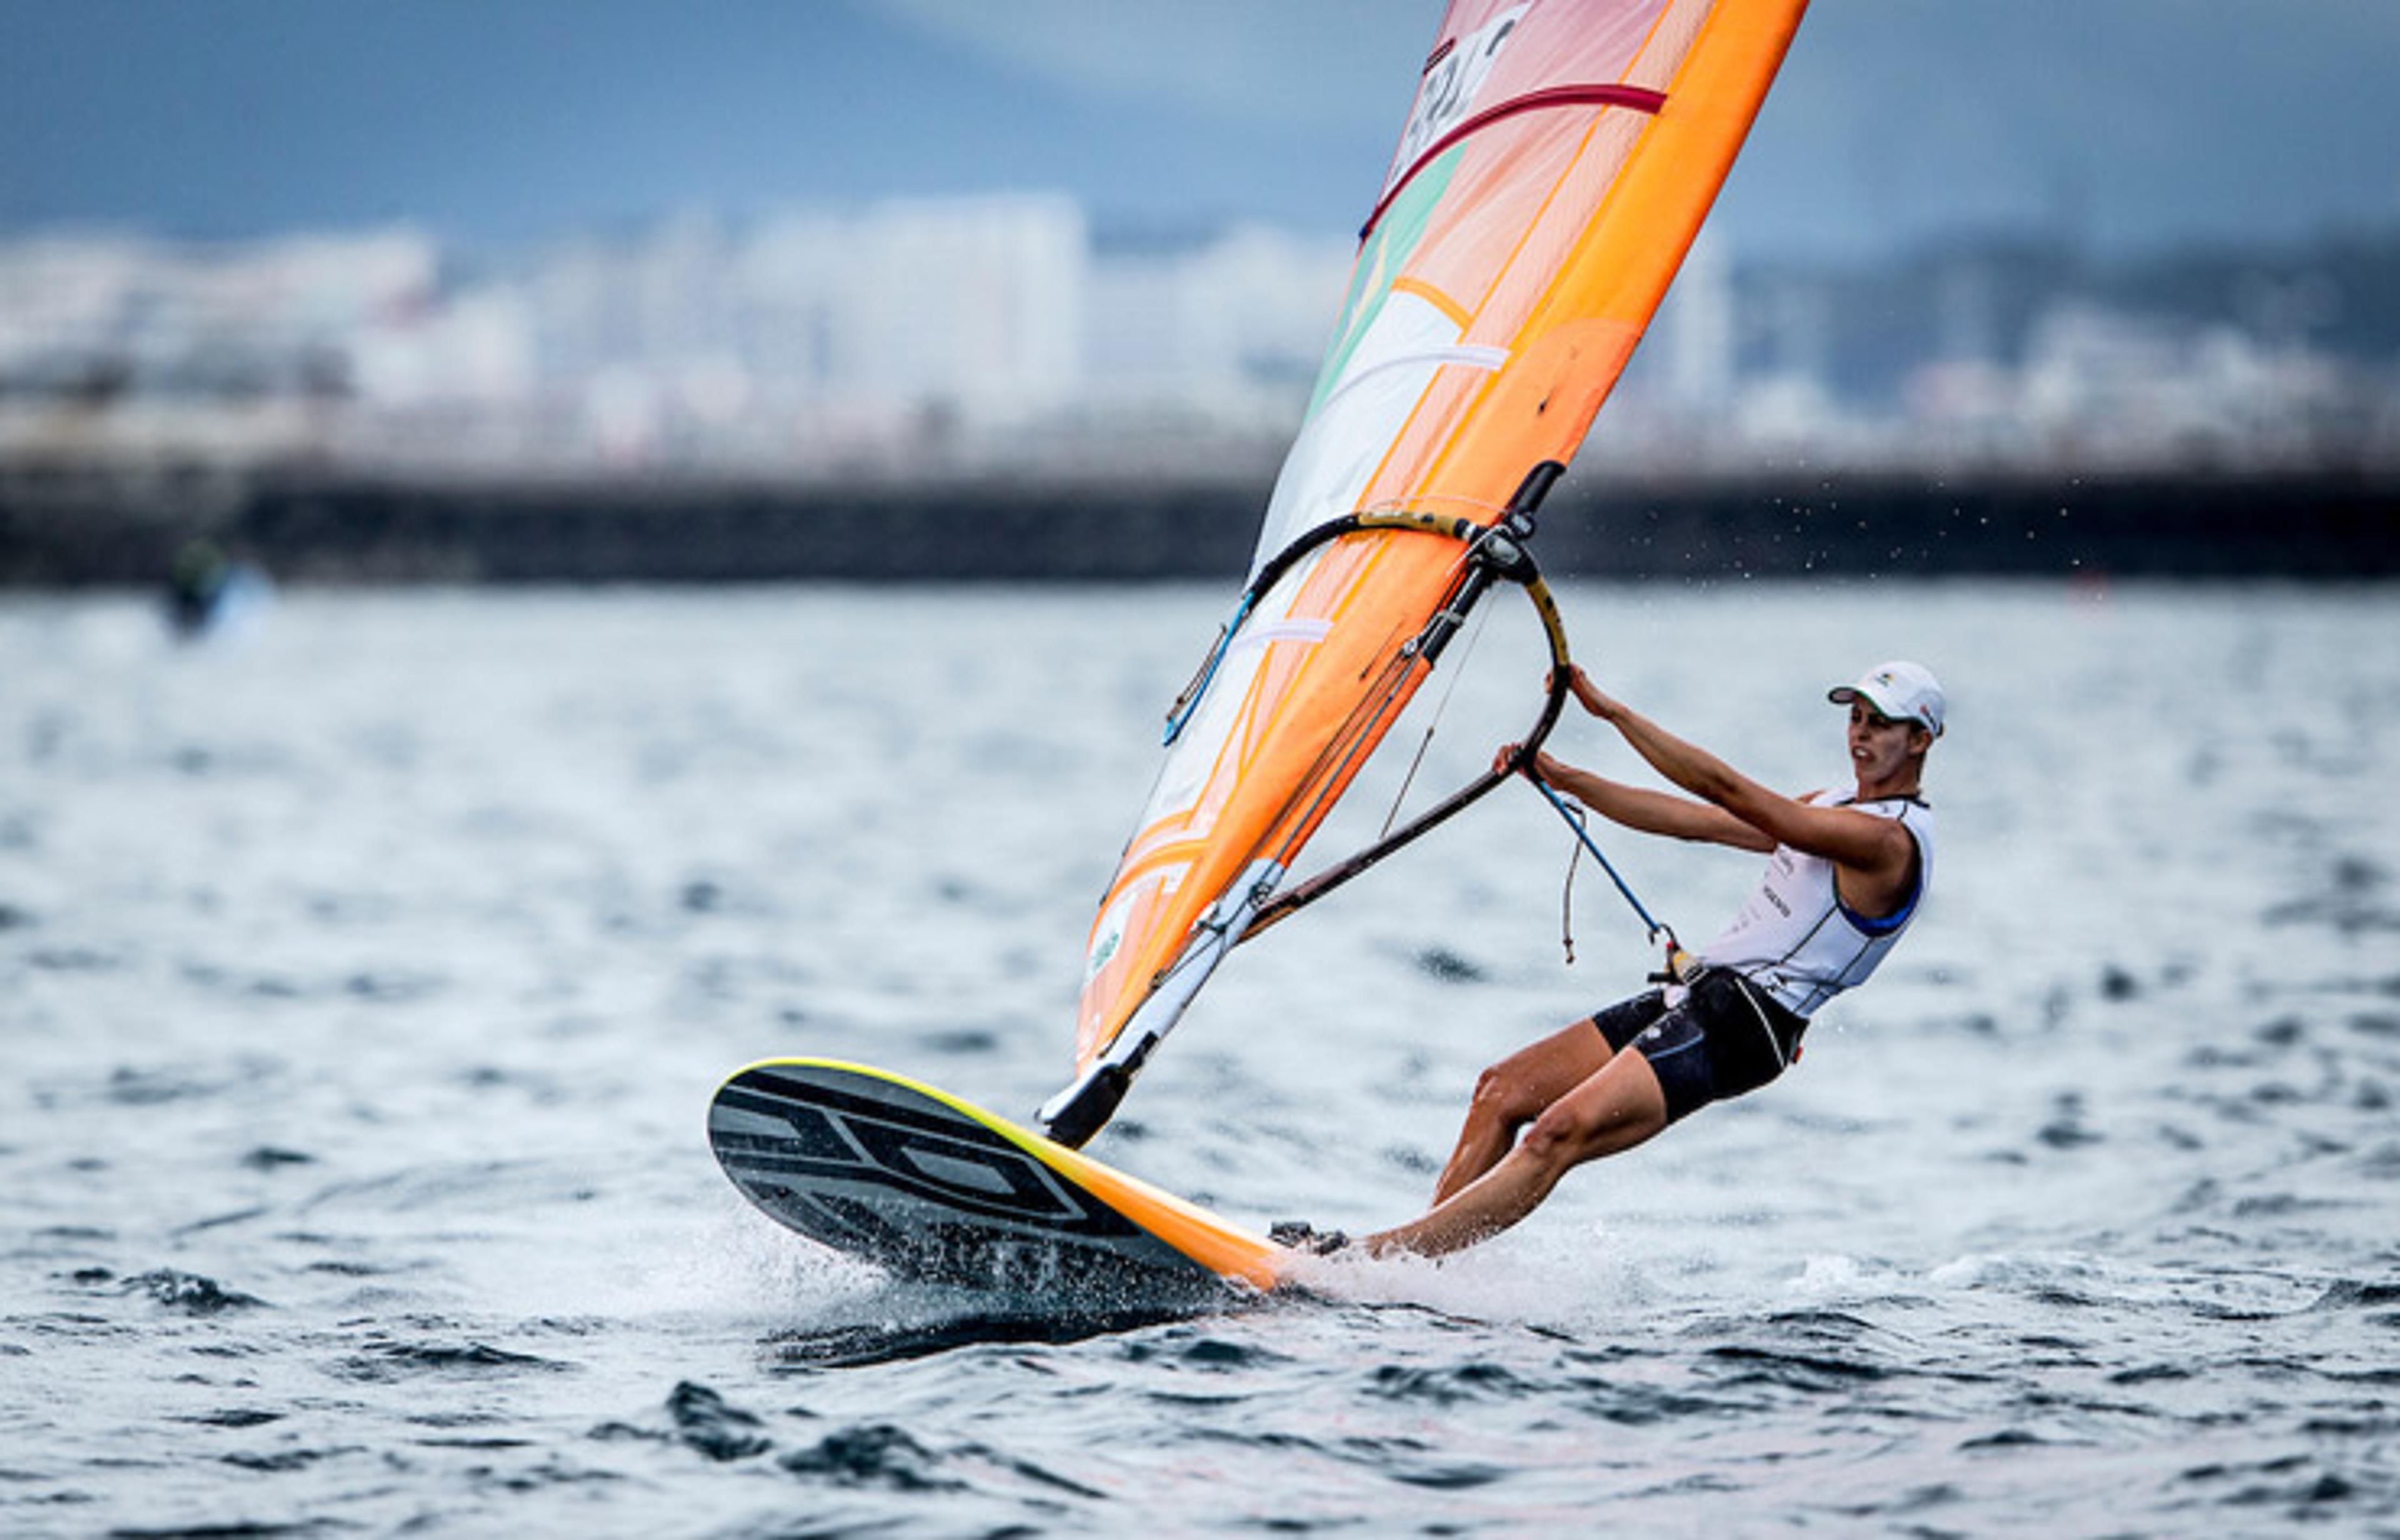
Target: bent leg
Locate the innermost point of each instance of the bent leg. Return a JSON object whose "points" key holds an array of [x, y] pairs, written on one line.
{"points": [[1515, 1091], [1616, 1108]]}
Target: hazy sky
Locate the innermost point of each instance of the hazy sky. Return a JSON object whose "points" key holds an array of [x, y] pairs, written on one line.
{"points": [[2135, 122]]}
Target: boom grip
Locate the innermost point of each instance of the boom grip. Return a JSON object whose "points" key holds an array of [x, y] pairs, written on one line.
{"points": [[1316, 887]]}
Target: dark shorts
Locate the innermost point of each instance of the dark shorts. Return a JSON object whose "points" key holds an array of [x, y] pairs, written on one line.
{"points": [[1723, 1039]]}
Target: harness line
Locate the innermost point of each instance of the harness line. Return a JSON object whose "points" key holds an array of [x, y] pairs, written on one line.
{"points": [[1675, 953]]}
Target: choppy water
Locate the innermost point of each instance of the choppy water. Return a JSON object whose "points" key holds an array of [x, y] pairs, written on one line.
{"points": [[363, 985]]}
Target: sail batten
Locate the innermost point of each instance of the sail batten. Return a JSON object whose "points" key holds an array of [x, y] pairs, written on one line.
{"points": [[1555, 166], [1640, 99]]}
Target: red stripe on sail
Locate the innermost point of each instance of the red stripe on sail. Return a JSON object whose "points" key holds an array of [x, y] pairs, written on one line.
{"points": [[1640, 99]]}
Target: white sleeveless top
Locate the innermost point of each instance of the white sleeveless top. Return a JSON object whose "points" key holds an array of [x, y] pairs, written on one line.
{"points": [[1798, 941]]}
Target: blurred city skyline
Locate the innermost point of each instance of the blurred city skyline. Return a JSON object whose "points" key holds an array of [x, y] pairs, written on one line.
{"points": [[946, 336], [901, 243], [2119, 125]]}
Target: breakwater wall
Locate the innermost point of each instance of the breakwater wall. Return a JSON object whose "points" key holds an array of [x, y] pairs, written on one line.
{"points": [[79, 531]]}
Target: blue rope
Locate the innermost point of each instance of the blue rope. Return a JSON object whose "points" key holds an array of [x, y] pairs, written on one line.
{"points": [[1597, 855], [1190, 702]]}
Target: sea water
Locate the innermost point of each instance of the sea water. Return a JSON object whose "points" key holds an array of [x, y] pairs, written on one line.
{"points": [[364, 984]]}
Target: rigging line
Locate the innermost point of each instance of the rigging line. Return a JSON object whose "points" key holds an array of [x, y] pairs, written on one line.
{"points": [[1566, 902], [1314, 888], [1514, 564], [1454, 577], [1363, 728], [1441, 708], [1584, 835], [1189, 702], [1332, 766]]}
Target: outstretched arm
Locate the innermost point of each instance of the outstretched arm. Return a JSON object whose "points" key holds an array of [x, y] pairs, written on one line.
{"points": [[1873, 847], [1648, 811]]}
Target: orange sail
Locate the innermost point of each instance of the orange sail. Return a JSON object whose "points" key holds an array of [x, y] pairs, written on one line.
{"points": [[1557, 163]]}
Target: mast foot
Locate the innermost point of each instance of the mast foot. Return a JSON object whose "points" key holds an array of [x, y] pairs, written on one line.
{"points": [[1076, 1113]]}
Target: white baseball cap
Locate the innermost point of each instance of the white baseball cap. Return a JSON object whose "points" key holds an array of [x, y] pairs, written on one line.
{"points": [[1901, 690]]}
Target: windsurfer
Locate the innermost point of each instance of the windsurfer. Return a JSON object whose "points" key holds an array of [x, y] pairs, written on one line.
{"points": [[1843, 881]]}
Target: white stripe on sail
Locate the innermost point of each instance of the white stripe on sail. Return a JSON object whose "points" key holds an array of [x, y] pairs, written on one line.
{"points": [[1326, 473], [1252, 637]]}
